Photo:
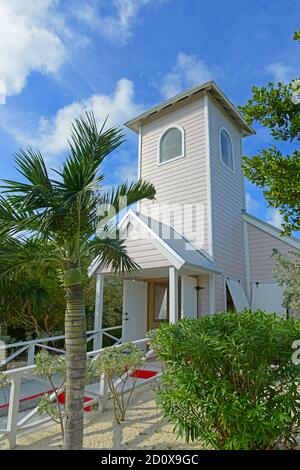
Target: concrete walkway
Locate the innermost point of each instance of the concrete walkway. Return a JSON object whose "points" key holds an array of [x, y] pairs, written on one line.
{"points": [[33, 388]]}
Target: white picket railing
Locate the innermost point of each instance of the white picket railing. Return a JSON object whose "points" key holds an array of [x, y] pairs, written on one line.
{"points": [[30, 347], [16, 426]]}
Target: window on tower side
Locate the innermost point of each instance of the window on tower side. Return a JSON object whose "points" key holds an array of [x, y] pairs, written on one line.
{"points": [[171, 144], [226, 149]]}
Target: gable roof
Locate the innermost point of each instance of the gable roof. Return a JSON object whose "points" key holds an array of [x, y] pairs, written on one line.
{"points": [[177, 249], [189, 253], [210, 87], [271, 230]]}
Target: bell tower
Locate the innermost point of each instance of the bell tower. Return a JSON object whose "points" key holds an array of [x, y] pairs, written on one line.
{"points": [[190, 148]]}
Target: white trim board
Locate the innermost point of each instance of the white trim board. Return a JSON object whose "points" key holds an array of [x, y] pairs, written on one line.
{"points": [[208, 170], [271, 230], [247, 260]]}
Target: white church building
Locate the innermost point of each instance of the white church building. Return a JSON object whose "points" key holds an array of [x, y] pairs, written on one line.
{"points": [[197, 248]]}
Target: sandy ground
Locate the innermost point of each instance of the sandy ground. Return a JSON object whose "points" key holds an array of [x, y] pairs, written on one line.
{"points": [[144, 428]]}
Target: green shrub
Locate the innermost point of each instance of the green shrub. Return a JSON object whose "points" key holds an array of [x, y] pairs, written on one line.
{"points": [[117, 364], [48, 366], [3, 381], [229, 379]]}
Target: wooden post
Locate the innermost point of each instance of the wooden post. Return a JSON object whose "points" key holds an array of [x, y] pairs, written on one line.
{"points": [[97, 343], [103, 388], [173, 295], [30, 355], [212, 293], [13, 410]]}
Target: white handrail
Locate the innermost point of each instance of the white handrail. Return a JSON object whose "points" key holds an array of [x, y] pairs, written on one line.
{"points": [[12, 356], [14, 424], [30, 345], [52, 338]]}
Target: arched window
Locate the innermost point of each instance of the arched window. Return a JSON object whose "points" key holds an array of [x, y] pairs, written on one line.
{"points": [[171, 144], [226, 148]]}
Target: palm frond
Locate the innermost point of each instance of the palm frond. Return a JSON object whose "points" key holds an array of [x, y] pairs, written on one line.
{"points": [[14, 220], [24, 253], [111, 252], [123, 197], [37, 193], [88, 148]]}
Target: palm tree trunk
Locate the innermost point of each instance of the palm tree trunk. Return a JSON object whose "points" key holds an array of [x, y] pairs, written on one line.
{"points": [[75, 331]]}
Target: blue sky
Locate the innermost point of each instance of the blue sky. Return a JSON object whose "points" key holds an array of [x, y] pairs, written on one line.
{"points": [[61, 57]]}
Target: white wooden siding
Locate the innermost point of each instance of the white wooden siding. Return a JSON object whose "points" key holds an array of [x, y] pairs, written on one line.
{"points": [[261, 245], [182, 181], [204, 294], [227, 202], [143, 252]]}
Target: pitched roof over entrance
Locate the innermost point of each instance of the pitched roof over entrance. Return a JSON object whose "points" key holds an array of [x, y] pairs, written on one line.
{"points": [[184, 248], [179, 251]]}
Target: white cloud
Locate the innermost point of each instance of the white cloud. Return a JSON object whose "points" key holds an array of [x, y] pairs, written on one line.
{"points": [[28, 43], [126, 166], [274, 217], [280, 72], [118, 24], [54, 132], [252, 204], [188, 71]]}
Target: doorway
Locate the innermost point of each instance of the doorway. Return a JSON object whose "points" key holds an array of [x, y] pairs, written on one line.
{"points": [[158, 302]]}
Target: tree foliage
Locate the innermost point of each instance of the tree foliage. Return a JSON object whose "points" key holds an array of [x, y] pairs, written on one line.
{"points": [[297, 35], [229, 380], [36, 308], [66, 221], [287, 273], [53, 367], [276, 169], [112, 302], [117, 364], [3, 380]]}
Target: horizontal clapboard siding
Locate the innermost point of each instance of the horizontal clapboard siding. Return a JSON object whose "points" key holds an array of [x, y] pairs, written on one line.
{"points": [[143, 252], [179, 182], [261, 245], [227, 201]]}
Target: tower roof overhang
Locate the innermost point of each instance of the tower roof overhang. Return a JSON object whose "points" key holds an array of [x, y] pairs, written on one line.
{"points": [[209, 87]]}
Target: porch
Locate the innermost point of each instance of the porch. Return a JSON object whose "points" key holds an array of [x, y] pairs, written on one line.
{"points": [[175, 278], [152, 297]]}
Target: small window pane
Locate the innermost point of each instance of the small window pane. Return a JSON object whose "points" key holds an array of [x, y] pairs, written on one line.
{"points": [[161, 303], [171, 145], [226, 149]]}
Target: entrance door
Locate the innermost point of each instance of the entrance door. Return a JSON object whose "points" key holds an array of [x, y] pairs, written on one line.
{"points": [[134, 310]]}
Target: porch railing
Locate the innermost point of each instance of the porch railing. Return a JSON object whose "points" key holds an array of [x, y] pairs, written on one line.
{"points": [[31, 420], [29, 348]]}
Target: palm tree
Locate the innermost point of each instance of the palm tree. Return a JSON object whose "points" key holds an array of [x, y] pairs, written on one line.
{"points": [[47, 221]]}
